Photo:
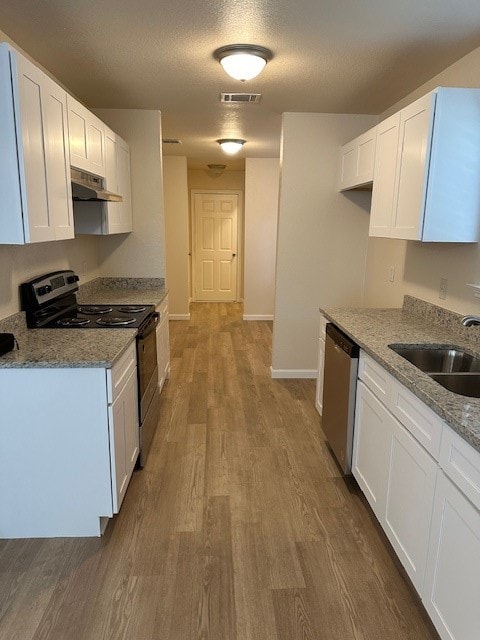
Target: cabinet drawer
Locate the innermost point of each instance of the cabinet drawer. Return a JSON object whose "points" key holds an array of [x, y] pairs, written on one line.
{"points": [[419, 419], [461, 462], [162, 309], [375, 378], [118, 375]]}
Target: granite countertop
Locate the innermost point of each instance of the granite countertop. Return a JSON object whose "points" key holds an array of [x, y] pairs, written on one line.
{"points": [[417, 323], [123, 291], [46, 348]]}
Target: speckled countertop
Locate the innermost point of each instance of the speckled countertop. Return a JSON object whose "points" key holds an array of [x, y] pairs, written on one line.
{"points": [[45, 348], [417, 323], [123, 291]]}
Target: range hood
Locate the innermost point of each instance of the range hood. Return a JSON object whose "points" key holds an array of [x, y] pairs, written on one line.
{"points": [[89, 188]]}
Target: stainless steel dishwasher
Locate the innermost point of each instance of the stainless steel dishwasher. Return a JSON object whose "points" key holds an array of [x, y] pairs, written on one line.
{"points": [[340, 381]]}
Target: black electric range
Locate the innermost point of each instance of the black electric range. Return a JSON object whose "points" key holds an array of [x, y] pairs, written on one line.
{"points": [[50, 302]]}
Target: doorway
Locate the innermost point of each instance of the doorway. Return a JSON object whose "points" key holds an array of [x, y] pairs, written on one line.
{"points": [[216, 231]]}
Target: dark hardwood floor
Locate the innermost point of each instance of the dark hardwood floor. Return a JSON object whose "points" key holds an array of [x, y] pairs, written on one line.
{"points": [[240, 527]]}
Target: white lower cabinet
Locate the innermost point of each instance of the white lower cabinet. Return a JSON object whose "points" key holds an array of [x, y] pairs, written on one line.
{"points": [[452, 583], [163, 344], [68, 449], [321, 365], [408, 479]]}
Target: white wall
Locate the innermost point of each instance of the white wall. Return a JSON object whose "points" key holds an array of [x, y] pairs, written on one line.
{"points": [[175, 187], [141, 253], [322, 236], [20, 263], [205, 179], [419, 267], [262, 176]]}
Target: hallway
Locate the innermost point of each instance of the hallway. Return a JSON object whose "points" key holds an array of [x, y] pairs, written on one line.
{"points": [[240, 527]]}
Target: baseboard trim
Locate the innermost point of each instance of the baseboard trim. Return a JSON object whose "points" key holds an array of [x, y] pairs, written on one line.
{"points": [[257, 317], [179, 316], [293, 373]]}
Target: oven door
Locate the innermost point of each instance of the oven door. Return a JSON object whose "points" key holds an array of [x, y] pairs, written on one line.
{"points": [[147, 365]]}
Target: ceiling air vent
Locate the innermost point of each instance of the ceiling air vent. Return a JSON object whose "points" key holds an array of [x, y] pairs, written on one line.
{"points": [[171, 141], [240, 97]]}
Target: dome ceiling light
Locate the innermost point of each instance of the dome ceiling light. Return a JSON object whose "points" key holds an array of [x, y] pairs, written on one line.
{"points": [[243, 61], [231, 145]]}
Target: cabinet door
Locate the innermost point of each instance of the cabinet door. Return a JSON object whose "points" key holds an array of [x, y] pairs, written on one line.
{"points": [[123, 427], [111, 173], [163, 344], [59, 187], [96, 145], [87, 139], [452, 581], [320, 374], [371, 449], [365, 157], [77, 134], [27, 86], [409, 502], [416, 125], [357, 161], [384, 175], [118, 215], [348, 165]]}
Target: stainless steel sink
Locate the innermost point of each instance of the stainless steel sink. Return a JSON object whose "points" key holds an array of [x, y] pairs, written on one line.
{"points": [[439, 359], [466, 384], [452, 367]]}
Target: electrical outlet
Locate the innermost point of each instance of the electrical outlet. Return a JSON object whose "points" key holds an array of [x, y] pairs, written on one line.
{"points": [[442, 292], [391, 274], [84, 269]]}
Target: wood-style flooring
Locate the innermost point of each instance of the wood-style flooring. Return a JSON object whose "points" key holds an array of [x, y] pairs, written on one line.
{"points": [[240, 526]]}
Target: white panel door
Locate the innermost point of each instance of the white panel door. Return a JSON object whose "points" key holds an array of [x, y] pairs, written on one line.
{"points": [[215, 246]]}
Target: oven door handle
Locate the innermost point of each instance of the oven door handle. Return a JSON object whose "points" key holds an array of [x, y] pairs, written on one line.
{"points": [[149, 326]]}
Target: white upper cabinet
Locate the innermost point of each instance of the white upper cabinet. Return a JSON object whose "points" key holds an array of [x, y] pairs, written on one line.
{"points": [[427, 164], [107, 218], [87, 139], [357, 160], [36, 203], [118, 215]]}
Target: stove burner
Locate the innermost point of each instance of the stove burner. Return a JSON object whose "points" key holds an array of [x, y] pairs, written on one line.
{"points": [[43, 313], [94, 309], [132, 308], [115, 321], [73, 322]]}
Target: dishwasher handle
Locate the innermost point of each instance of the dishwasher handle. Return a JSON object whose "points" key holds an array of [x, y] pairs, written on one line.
{"points": [[342, 341]]}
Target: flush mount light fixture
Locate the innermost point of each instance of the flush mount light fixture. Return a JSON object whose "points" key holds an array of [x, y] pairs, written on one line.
{"points": [[243, 61], [217, 169], [231, 145]]}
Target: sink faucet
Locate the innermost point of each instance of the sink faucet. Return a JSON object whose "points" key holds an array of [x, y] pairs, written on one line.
{"points": [[471, 321]]}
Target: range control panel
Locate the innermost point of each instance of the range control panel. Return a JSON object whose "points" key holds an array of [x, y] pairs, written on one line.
{"points": [[43, 289]]}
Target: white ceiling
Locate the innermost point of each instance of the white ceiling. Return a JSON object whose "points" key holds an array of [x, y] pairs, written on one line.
{"points": [[340, 56]]}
